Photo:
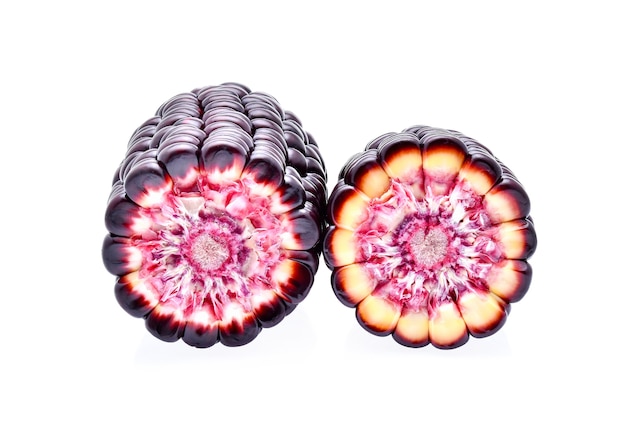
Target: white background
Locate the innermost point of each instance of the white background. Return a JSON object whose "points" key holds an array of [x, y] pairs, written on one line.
{"points": [[540, 83]]}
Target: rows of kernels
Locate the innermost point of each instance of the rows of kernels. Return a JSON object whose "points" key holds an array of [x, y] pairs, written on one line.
{"points": [[215, 217], [429, 238]]}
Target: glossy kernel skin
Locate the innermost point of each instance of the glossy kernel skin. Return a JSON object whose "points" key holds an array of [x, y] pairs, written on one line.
{"points": [[379, 257], [352, 284], [224, 155]]}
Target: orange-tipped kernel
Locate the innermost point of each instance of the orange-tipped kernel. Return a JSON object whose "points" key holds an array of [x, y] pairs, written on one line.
{"points": [[483, 313], [401, 157], [443, 158], [482, 172], [412, 328], [507, 201], [348, 208], [378, 315], [352, 283], [368, 176], [340, 247], [403, 161], [510, 279], [446, 327], [517, 238]]}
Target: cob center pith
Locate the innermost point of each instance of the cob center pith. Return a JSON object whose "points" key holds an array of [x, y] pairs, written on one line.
{"points": [[207, 253], [428, 248]]}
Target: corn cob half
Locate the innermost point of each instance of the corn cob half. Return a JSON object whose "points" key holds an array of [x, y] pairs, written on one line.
{"points": [[429, 238], [215, 217]]}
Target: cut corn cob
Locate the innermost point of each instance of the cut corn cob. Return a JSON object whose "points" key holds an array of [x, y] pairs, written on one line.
{"points": [[215, 217], [429, 238]]}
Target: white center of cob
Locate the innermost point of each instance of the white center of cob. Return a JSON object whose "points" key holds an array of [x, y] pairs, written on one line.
{"points": [[430, 247], [208, 253]]}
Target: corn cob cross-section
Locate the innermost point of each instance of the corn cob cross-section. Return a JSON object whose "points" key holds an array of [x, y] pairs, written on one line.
{"points": [[429, 238], [215, 217]]}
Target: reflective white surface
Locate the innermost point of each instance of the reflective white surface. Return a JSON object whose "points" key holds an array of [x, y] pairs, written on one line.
{"points": [[541, 84]]}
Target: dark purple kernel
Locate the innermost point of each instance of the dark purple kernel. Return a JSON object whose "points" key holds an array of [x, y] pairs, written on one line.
{"points": [[238, 333]]}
